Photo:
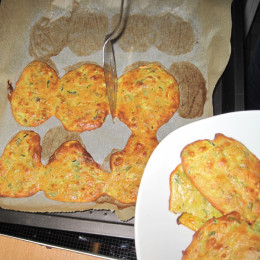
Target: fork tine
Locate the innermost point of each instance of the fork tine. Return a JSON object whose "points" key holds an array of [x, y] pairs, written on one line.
{"points": [[110, 67], [110, 77]]}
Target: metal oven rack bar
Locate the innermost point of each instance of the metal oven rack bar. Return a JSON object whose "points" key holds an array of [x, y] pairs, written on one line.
{"points": [[91, 221]]}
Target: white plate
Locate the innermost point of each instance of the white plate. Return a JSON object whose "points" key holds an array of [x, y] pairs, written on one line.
{"points": [[157, 235]]}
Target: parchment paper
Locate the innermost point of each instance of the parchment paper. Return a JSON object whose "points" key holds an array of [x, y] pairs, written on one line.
{"points": [[189, 38]]}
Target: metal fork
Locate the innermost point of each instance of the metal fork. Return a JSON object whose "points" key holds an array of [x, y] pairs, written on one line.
{"points": [[110, 66]]}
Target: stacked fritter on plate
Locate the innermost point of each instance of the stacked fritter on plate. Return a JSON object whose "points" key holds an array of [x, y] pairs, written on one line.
{"points": [[218, 177], [228, 237], [148, 96]]}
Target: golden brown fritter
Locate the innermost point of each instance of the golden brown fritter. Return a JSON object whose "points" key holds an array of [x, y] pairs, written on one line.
{"points": [[147, 97], [19, 165], [82, 99], [33, 99], [127, 168], [227, 237], [72, 175], [226, 173], [78, 99], [185, 198]]}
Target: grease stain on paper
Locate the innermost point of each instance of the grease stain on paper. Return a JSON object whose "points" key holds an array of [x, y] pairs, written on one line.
{"points": [[84, 33], [192, 87]]}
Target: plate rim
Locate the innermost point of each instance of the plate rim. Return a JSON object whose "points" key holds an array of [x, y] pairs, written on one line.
{"points": [[162, 142]]}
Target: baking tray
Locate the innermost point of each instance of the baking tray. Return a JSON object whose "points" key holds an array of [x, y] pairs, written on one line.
{"points": [[90, 244], [228, 96], [99, 222]]}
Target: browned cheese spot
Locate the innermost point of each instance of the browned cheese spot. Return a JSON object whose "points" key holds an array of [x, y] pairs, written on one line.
{"points": [[192, 87]]}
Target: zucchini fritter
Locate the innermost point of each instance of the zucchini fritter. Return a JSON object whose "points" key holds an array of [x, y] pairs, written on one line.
{"points": [[72, 175], [127, 168], [185, 198], [34, 97], [82, 99], [226, 173], [19, 165], [78, 99], [227, 237], [147, 97]]}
